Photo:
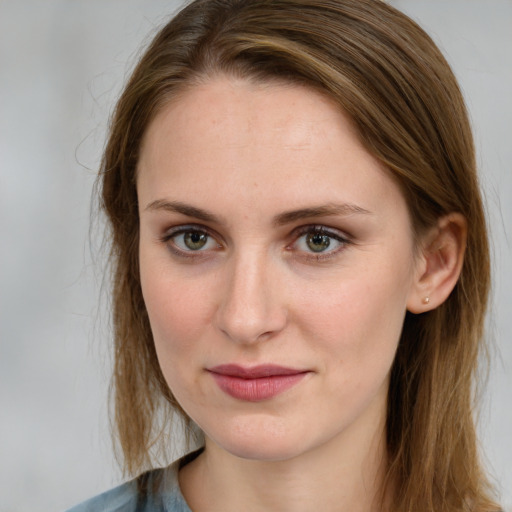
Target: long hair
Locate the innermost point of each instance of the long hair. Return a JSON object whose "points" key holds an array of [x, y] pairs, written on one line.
{"points": [[388, 76]]}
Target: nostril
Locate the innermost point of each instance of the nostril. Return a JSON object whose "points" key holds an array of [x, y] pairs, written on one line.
{"points": [[250, 324], [250, 307]]}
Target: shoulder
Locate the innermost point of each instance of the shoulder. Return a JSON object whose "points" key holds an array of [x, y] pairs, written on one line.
{"points": [[123, 497], [154, 491]]}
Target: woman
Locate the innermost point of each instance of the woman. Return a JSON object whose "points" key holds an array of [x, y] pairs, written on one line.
{"points": [[300, 263]]}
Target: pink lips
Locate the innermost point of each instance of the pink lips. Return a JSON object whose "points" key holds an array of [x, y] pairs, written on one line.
{"points": [[256, 383]]}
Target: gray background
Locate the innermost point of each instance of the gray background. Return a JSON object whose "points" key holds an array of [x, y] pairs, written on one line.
{"points": [[62, 63]]}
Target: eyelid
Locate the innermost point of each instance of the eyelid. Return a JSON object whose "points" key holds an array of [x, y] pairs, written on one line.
{"points": [[170, 233], [342, 237], [192, 226], [183, 228]]}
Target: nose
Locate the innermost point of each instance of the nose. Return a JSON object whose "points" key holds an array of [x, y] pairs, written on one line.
{"points": [[252, 306]]}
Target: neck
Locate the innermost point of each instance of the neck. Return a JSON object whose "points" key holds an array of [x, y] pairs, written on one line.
{"points": [[344, 474]]}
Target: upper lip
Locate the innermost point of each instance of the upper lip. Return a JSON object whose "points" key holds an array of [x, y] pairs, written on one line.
{"points": [[254, 372]]}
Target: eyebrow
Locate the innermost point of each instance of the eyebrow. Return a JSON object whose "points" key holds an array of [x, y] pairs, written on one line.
{"points": [[184, 209], [327, 210], [330, 209]]}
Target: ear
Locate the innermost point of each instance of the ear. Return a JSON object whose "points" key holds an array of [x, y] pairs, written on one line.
{"points": [[439, 263]]}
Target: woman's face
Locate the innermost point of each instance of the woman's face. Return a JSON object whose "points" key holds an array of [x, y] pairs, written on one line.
{"points": [[276, 261]]}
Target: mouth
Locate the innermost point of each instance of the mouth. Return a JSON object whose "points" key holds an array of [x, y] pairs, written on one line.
{"points": [[257, 383]]}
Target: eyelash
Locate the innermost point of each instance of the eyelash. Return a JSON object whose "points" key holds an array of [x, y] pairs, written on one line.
{"points": [[343, 240], [180, 230], [297, 234]]}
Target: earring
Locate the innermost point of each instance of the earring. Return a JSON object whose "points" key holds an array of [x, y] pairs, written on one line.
{"points": [[426, 300]]}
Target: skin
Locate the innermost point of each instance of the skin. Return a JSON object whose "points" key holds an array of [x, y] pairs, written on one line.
{"points": [[247, 155]]}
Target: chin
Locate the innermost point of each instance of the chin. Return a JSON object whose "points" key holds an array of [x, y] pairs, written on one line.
{"points": [[269, 442], [262, 452]]}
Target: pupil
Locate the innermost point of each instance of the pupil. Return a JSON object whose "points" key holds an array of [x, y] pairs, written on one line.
{"points": [[318, 242], [195, 240]]}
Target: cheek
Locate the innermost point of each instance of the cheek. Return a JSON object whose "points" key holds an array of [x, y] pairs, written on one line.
{"points": [[177, 309], [354, 329], [357, 318], [177, 317]]}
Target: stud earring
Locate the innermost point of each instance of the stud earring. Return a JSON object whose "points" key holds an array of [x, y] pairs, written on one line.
{"points": [[426, 300]]}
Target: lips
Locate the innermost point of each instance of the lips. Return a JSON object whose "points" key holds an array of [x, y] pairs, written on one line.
{"points": [[257, 383]]}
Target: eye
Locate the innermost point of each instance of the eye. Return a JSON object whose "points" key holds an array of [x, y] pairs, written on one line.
{"points": [[189, 239], [193, 240], [319, 240]]}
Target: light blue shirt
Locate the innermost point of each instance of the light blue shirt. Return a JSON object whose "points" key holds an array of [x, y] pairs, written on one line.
{"points": [[163, 494]]}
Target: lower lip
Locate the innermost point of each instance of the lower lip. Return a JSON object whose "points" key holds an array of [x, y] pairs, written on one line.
{"points": [[258, 389]]}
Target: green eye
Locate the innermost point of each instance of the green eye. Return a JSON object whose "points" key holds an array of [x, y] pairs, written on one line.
{"points": [[195, 240], [189, 240], [318, 242]]}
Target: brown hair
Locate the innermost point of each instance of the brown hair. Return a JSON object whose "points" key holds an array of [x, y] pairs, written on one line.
{"points": [[390, 78]]}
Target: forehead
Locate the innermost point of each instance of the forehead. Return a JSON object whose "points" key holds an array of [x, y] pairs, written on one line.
{"points": [[235, 110], [238, 112], [258, 141]]}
